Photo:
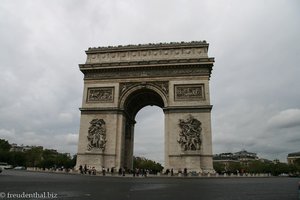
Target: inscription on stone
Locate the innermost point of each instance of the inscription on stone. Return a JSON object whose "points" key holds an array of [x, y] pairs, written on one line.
{"points": [[100, 94], [189, 92]]}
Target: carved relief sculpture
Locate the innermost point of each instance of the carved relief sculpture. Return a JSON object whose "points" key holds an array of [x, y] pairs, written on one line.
{"points": [[100, 94], [97, 135], [190, 134], [189, 92]]}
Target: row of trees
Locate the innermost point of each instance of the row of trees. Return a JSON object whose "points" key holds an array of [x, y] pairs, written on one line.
{"points": [[143, 163], [45, 158], [35, 157], [257, 166]]}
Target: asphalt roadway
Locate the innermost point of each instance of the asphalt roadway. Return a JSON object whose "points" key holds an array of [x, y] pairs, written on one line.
{"points": [[37, 185]]}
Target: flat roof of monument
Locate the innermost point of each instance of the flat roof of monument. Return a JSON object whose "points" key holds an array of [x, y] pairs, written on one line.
{"points": [[148, 46]]}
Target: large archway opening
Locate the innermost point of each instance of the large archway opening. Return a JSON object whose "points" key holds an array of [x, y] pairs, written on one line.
{"points": [[149, 134], [135, 101]]}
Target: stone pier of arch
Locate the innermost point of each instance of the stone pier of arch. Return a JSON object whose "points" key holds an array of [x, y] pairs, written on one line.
{"points": [[119, 81]]}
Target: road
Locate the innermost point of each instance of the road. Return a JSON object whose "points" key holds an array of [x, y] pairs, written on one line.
{"points": [[14, 184]]}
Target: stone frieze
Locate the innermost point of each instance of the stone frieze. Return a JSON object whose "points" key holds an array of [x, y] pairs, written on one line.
{"points": [[148, 72], [160, 51], [100, 94], [189, 92]]}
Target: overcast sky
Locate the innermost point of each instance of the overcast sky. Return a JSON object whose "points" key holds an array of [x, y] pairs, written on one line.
{"points": [[254, 84]]}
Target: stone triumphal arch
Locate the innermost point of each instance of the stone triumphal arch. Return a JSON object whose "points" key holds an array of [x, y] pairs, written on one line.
{"points": [[121, 80]]}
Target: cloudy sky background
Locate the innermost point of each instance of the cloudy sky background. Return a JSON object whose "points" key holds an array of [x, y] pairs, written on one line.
{"points": [[254, 84]]}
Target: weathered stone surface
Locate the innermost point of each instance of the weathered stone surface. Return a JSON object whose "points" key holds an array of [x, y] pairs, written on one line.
{"points": [[119, 81]]}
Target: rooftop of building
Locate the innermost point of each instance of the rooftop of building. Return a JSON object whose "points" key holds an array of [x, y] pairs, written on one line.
{"points": [[294, 154], [149, 46]]}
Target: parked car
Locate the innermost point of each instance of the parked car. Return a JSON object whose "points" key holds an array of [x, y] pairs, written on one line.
{"points": [[3, 166], [8, 167], [20, 168]]}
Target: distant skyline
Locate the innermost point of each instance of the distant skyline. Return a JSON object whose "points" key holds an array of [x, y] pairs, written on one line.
{"points": [[254, 84]]}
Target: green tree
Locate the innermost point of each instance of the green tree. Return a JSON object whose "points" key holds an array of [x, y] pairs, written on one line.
{"points": [[234, 167], [34, 157], [279, 168], [4, 145], [219, 167], [258, 166], [143, 163], [48, 159], [17, 159]]}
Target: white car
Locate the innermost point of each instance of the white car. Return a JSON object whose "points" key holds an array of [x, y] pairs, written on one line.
{"points": [[20, 168]]}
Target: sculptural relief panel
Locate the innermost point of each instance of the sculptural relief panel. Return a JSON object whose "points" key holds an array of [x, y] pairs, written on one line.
{"points": [[100, 94], [96, 135], [162, 54], [189, 92], [161, 72], [190, 134]]}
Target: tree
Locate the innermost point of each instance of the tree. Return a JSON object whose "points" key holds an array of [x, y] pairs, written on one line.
{"points": [[4, 145], [34, 157], [279, 168], [234, 167], [143, 163], [17, 158], [219, 167], [257, 166]]}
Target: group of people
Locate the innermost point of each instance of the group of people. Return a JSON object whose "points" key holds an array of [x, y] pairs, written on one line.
{"points": [[92, 170], [142, 172], [121, 172], [171, 172], [87, 170]]}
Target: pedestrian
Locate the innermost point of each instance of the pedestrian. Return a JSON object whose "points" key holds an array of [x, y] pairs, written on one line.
{"points": [[172, 172], [185, 172], [85, 169], [167, 172], [80, 169], [103, 171], [123, 171], [112, 171]]}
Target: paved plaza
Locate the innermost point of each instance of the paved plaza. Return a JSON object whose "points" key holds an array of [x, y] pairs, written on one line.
{"points": [[69, 186]]}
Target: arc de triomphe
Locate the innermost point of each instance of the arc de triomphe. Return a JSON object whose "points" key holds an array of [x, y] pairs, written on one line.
{"points": [[121, 80]]}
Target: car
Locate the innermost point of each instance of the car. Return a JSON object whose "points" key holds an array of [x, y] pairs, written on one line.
{"points": [[20, 168], [8, 167], [2, 166]]}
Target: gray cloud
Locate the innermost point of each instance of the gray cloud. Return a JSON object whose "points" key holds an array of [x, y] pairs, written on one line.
{"points": [[286, 119], [254, 85]]}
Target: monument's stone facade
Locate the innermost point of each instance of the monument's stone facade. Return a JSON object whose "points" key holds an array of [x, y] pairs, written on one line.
{"points": [[119, 81]]}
